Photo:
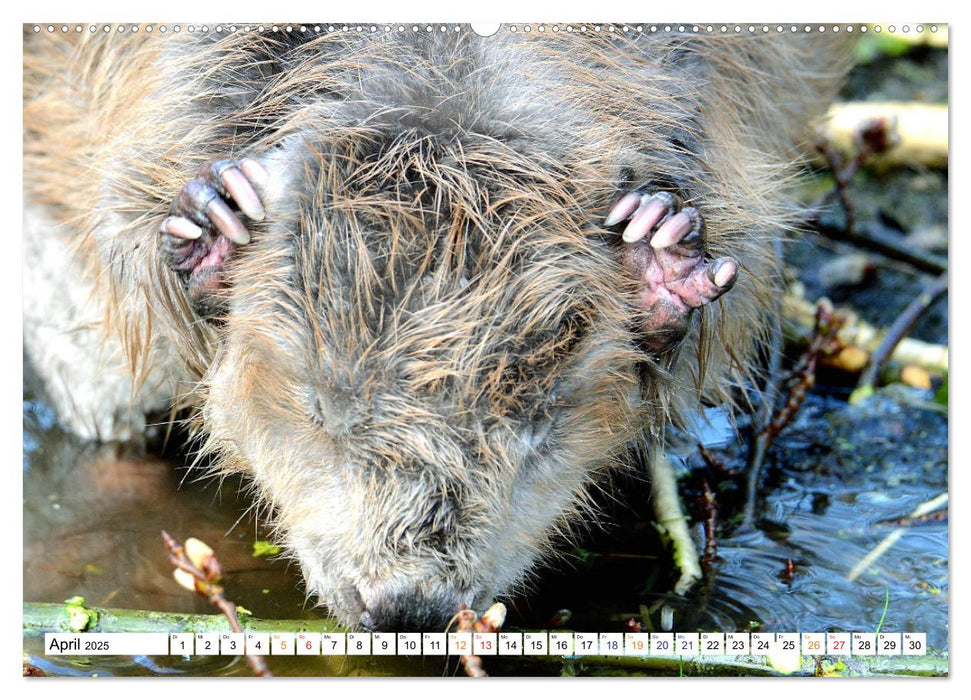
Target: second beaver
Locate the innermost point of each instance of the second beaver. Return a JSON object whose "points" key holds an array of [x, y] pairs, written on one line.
{"points": [[423, 288]]}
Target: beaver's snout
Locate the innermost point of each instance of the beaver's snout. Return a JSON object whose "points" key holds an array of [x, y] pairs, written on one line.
{"points": [[425, 605], [411, 609]]}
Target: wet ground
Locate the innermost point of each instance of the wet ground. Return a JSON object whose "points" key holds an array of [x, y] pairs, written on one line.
{"points": [[838, 481]]}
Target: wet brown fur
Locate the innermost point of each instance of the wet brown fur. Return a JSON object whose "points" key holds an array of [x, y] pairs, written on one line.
{"points": [[433, 281]]}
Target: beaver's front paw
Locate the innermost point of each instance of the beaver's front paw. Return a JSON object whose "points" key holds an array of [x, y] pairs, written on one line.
{"points": [[664, 245], [203, 227]]}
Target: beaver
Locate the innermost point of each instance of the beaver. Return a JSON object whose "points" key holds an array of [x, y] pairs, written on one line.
{"points": [[423, 288]]}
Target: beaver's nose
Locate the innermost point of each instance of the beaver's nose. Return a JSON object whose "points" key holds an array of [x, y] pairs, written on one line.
{"points": [[408, 610]]}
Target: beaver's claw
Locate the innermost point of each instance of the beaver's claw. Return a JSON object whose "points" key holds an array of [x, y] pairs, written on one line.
{"points": [[665, 248], [203, 228]]}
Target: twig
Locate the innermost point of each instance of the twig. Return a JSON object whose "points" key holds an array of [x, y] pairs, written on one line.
{"points": [[901, 327], [842, 173], [934, 663], [908, 521], [872, 238], [715, 464], [40, 618], [471, 664], [825, 342], [871, 137], [203, 575], [710, 507], [467, 621]]}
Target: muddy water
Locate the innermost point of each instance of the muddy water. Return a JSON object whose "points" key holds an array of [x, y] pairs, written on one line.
{"points": [[838, 481], [92, 522]]}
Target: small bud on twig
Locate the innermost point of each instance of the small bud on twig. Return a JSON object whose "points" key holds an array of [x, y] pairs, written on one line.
{"points": [[199, 553], [197, 569]]}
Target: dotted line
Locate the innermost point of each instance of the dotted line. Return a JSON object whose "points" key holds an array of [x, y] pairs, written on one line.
{"points": [[512, 28], [719, 29], [259, 28]]}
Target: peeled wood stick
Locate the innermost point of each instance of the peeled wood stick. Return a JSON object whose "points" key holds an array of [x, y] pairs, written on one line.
{"points": [[799, 314], [887, 542], [921, 131], [670, 516]]}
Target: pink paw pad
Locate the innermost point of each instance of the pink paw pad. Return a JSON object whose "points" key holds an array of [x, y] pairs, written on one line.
{"points": [[204, 225], [664, 246]]}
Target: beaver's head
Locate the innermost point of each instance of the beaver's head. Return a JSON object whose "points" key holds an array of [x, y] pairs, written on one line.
{"points": [[427, 360]]}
